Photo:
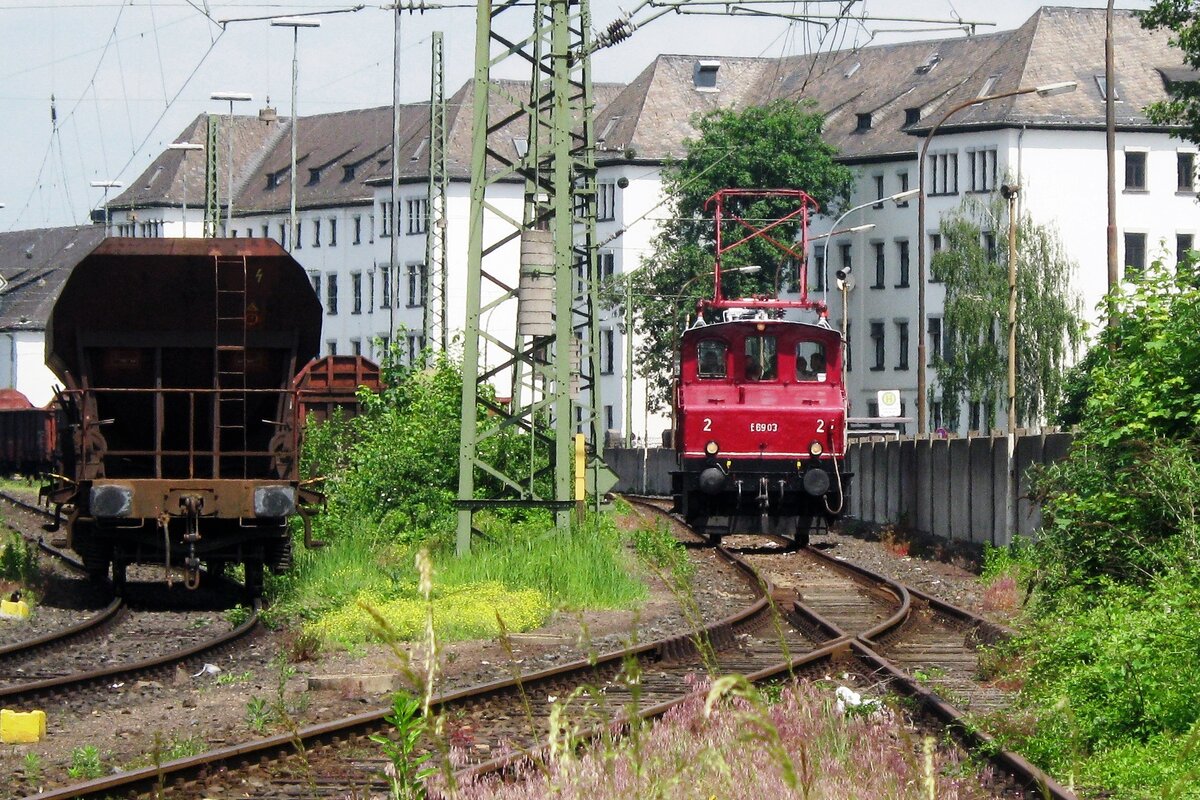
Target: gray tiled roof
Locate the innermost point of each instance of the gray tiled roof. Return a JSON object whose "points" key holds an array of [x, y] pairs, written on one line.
{"points": [[650, 118], [35, 264]]}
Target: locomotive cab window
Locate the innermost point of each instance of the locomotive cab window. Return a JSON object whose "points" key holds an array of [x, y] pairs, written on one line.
{"points": [[710, 359], [760, 358], [810, 361]]}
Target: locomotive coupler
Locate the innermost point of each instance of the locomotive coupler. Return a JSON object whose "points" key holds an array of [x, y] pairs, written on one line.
{"points": [[191, 564], [764, 501]]}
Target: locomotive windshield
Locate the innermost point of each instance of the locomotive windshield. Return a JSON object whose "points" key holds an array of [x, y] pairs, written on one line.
{"points": [[710, 358], [760, 358], [810, 361]]}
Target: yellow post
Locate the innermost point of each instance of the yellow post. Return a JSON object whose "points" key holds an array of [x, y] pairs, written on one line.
{"points": [[580, 477]]}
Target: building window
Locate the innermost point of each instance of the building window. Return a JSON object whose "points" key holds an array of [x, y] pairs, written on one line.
{"points": [[902, 345], [983, 169], [607, 350], [607, 266], [417, 214], [356, 293], [371, 292], [299, 234], [1135, 171], [357, 229], [283, 231], [989, 245], [974, 415], [331, 347], [371, 229], [935, 247], [356, 347], [873, 410], [385, 219], [606, 201], [878, 191], [416, 345], [331, 294], [847, 261], [943, 173], [266, 231], [818, 280], [902, 260], [1184, 242], [416, 285], [385, 281], [935, 415], [877, 345], [935, 340], [314, 278], [333, 231], [1135, 254], [1185, 172], [903, 176], [880, 268], [384, 343], [317, 232], [1102, 85], [608, 418]]}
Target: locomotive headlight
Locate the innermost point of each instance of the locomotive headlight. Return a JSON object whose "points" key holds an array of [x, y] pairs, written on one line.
{"points": [[815, 449], [711, 448], [110, 500], [274, 501]]}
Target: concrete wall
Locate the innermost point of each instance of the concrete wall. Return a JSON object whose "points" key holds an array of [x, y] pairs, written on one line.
{"points": [[974, 490], [641, 470]]}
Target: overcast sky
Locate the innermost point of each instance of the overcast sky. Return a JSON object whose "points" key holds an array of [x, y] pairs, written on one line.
{"points": [[127, 78]]}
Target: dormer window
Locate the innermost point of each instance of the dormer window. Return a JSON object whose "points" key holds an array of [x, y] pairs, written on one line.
{"points": [[1102, 85], [912, 116], [348, 172], [420, 149], [849, 73], [988, 86], [705, 77], [929, 64], [864, 122], [273, 179], [314, 177]]}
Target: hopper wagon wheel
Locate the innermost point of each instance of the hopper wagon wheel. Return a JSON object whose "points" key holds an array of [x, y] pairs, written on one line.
{"points": [[803, 529]]}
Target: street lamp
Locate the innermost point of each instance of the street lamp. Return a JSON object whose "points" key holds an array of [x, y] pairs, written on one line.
{"points": [[106, 185], [747, 269], [295, 23], [185, 148], [232, 97], [1047, 90]]}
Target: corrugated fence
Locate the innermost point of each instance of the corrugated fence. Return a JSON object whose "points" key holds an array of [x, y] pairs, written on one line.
{"points": [[974, 490]]}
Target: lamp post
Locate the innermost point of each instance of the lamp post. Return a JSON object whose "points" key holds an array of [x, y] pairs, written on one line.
{"points": [[231, 97], [106, 185], [1047, 90], [1010, 192], [185, 148], [295, 23]]}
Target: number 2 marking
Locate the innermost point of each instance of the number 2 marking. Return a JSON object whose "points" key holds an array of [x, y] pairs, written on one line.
{"points": [[820, 426], [707, 424]]}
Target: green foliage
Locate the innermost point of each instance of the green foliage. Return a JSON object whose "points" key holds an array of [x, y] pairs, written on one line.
{"points": [[258, 714], [1111, 675], [31, 767], [974, 361], [19, 561], [662, 551], [1015, 560], [408, 771], [86, 764], [777, 145]]}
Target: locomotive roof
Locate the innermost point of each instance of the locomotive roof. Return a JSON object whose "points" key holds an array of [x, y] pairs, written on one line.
{"points": [[724, 324], [143, 292]]}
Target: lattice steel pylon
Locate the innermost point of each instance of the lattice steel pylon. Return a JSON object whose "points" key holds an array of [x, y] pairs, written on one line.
{"points": [[436, 321], [212, 201], [556, 232]]}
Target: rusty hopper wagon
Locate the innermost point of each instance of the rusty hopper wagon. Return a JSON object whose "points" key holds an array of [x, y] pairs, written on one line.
{"points": [[181, 439]]}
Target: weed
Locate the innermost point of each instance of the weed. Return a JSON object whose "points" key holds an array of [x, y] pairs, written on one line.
{"points": [[19, 561], [408, 770], [200, 622], [31, 767], [231, 678], [86, 764], [258, 714], [238, 615]]}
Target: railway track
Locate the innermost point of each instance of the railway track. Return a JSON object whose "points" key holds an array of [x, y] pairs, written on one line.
{"points": [[830, 623]]}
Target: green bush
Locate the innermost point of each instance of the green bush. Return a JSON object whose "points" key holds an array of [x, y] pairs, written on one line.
{"points": [[19, 561]]}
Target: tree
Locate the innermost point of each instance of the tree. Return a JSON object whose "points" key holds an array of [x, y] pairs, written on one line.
{"points": [[973, 264], [777, 145], [1183, 108]]}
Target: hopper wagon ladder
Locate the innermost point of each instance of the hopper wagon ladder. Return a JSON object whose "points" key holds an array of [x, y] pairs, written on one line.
{"points": [[229, 421]]}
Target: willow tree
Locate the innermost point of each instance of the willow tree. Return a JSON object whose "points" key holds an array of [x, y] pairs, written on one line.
{"points": [[973, 266], [774, 146]]}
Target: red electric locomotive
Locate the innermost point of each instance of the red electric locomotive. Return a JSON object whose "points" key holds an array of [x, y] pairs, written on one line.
{"points": [[760, 403]]}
